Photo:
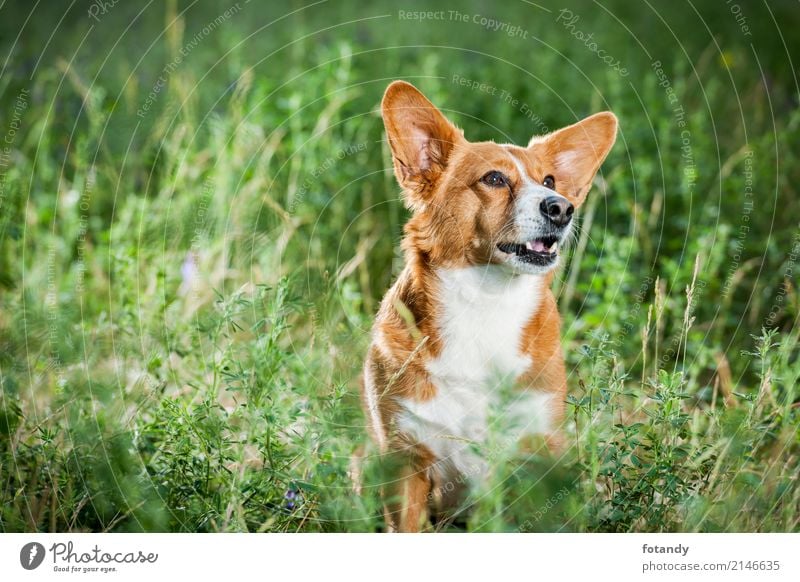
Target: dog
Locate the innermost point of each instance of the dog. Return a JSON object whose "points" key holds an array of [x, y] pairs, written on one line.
{"points": [[472, 307]]}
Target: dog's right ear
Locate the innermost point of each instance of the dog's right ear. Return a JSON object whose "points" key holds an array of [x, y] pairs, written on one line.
{"points": [[420, 137]]}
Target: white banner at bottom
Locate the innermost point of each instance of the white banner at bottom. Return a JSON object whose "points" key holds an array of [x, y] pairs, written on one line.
{"points": [[375, 557]]}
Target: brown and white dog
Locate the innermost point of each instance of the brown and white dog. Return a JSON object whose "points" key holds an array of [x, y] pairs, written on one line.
{"points": [[473, 306]]}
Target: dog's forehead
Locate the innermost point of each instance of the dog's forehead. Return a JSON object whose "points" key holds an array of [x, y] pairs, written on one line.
{"points": [[523, 159], [503, 156]]}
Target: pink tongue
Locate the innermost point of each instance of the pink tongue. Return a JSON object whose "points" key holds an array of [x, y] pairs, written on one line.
{"points": [[538, 246]]}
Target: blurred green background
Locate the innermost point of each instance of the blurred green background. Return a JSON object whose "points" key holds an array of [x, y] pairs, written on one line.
{"points": [[198, 220]]}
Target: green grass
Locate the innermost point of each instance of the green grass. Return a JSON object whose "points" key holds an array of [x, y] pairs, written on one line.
{"points": [[186, 294]]}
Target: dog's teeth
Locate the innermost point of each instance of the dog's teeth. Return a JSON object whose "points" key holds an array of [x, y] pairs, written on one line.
{"points": [[539, 246]]}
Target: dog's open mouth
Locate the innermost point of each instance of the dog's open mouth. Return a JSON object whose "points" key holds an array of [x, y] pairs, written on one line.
{"points": [[539, 251]]}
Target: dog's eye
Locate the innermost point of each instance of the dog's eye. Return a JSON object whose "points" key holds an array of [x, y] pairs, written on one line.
{"points": [[495, 179], [549, 182]]}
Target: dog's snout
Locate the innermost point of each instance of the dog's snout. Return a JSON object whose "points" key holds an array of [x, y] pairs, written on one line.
{"points": [[557, 210]]}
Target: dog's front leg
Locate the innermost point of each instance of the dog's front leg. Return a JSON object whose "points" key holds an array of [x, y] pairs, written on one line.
{"points": [[407, 497]]}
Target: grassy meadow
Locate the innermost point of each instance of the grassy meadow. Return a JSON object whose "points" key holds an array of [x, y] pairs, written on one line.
{"points": [[198, 220]]}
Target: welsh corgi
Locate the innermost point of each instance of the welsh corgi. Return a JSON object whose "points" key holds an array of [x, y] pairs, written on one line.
{"points": [[472, 307]]}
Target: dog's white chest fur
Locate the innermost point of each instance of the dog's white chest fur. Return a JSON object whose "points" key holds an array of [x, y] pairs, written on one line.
{"points": [[481, 325]]}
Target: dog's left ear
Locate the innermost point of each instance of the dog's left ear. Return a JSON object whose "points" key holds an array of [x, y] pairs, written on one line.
{"points": [[421, 139], [574, 154]]}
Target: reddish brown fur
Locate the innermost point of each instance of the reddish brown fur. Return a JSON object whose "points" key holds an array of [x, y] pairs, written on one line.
{"points": [[456, 223]]}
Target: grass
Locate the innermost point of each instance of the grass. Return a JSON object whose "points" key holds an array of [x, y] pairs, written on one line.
{"points": [[186, 294]]}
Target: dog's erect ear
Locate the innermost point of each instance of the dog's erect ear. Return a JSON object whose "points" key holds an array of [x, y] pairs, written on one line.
{"points": [[574, 154], [421, 139]]}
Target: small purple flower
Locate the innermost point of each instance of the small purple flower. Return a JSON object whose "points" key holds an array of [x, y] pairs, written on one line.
{"points": [[292, 496], [189, 272]]}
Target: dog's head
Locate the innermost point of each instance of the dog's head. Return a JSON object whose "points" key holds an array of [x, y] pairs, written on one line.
{"points": [[487, 203]]}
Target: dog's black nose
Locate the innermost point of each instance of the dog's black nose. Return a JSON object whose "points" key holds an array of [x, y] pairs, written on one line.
{"points": [[557, 209]]}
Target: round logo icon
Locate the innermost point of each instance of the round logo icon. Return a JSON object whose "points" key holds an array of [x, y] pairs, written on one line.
{"points": [[31, 555]]}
